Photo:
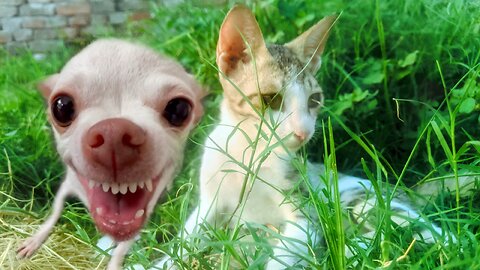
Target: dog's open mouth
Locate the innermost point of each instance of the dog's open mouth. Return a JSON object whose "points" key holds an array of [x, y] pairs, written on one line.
{"points": [[119, 209]]}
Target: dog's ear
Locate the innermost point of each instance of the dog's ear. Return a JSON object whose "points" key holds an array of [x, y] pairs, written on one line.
{"points": [[198, 108], [46, 86], [239, 33], [309, 46]]}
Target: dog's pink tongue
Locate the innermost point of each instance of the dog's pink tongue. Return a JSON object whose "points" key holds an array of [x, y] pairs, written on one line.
{"points": [[119, 215]]}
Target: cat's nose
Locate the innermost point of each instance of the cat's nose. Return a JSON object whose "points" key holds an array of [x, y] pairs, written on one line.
{"points": [[301, 135]]}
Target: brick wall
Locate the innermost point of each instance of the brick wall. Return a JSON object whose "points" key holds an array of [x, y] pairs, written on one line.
{"points": [[43, 25]]}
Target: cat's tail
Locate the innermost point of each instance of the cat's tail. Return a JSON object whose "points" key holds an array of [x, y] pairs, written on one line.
{"points": [[467, 185]]}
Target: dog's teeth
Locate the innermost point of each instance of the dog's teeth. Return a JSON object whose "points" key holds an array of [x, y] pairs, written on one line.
{"points": [[127, 222], [99, 210], [112, 221], [149, 185], [124, 188], [115, 188], [139, 213], [132, 187], [105, 187], [141, 184], [91, 184]]}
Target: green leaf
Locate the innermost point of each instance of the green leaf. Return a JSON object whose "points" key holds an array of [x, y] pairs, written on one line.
{"points": [[467, 105], [409, 60], [300, 22], [373, 78], [443, 142]]}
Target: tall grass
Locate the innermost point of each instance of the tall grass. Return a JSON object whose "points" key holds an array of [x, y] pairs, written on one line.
{"points": [[399, 76]]}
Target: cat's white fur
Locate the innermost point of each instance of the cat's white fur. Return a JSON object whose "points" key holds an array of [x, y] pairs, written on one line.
{"points": [[246, 167]]}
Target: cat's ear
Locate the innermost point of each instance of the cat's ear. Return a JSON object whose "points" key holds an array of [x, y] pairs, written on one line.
{"points": [[239, 31], [309, 46]]}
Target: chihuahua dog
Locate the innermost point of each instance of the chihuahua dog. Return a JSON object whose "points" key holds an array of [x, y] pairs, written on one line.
{"points": [[121, 114]]}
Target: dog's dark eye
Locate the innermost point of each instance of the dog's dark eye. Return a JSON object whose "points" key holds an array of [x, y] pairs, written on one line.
{"points": [[274, 101], [315, 100], [63, 110], [177, 111]]}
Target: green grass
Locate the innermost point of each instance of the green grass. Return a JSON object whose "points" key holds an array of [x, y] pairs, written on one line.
{"points": [[403, 99]]}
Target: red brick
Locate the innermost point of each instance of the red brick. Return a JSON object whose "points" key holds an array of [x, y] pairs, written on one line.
{"points": [[138, 16], [5, 37], [73, 8], [79, 20], [34, 22]]}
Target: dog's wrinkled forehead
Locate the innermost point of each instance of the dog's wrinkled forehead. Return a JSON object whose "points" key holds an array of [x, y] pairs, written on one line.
{"points": [[122, 69]]}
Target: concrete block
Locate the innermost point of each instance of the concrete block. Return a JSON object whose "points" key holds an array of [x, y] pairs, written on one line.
{"points": [[45, 45], [99, 19], [102, 7], [11, 24], [56, 21], [45, 34], [117, 17], [34, 9], [131, 5], [8, 11], [39, 1], [11, 2], [23, 35]]}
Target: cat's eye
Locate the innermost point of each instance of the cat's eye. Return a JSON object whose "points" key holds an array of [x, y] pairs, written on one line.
{"points": [[315, 100], [63, 110], [274, 101], [177, 111]]}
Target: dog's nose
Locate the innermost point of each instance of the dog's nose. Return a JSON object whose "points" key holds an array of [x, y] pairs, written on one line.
{"points": [[114, 143]]}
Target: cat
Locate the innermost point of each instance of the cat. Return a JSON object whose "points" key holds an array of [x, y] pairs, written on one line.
{"points": [[270, 104]]}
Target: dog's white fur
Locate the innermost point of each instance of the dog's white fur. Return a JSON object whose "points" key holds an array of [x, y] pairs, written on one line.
{"points": [[131, 84]]}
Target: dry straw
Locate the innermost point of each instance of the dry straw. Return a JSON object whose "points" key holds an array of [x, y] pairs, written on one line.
{"points": [[62, 250]]}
